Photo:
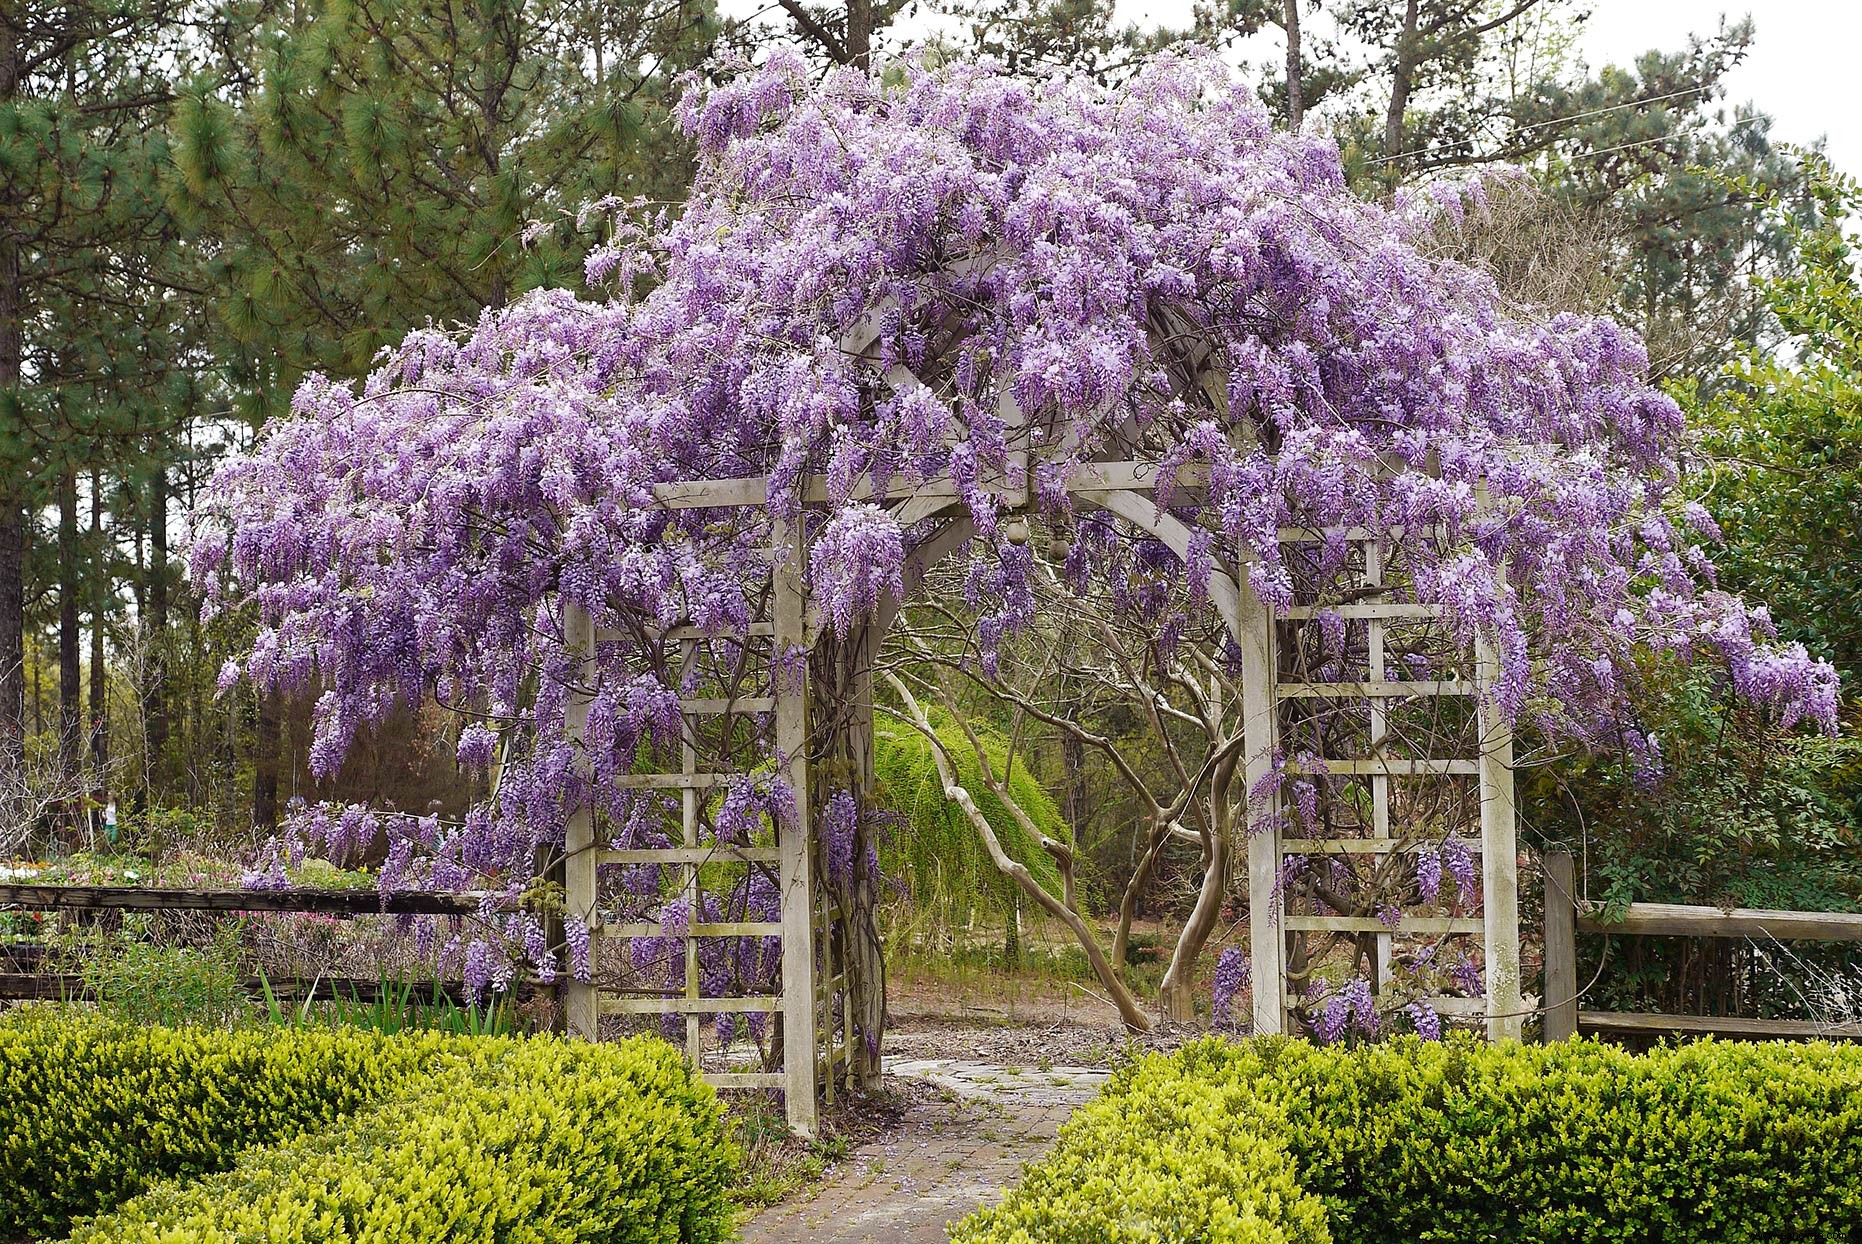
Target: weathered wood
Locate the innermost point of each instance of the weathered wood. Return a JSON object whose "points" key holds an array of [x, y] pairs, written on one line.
{"points": [[71, 986], [1372, 690], [795, 840], [1392, 766], [1096, 477], [720, 853], [1372, 924], [579, 846], [679, 1004], [1394, 611], [1506, 1011], [1254, 636], [1375, 692], [1141, 511], [695, 930], [1561, 947], [1680, 920], [672, 781], [715, 706], [1353, 846], [744, 1079], [163, 898], [1642, 1023]]}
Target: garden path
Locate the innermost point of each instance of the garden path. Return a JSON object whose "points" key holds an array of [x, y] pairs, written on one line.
{"points": [[955, 1151]]}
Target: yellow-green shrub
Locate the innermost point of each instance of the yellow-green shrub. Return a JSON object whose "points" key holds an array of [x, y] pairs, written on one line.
{"points": [[546, 1141], [1164, 1159], [1734, 1144], [92, 1112]]}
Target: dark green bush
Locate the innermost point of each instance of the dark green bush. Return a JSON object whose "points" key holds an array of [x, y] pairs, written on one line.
{"points": [[545, 1141], [93, 1111], [1734, 1144]]}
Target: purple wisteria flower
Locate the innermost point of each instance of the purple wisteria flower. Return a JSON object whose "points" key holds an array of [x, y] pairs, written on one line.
{"points": [[1428, 1023], [423, 531], [1232, 975]]}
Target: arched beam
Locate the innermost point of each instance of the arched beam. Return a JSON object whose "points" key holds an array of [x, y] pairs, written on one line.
{"points": [[1142, 512]]}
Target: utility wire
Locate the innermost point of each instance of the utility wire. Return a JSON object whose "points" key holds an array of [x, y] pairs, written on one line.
{"points": [[1565, 120]]}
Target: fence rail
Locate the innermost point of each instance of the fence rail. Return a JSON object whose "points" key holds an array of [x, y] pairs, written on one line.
{"points": [[70, 987], [310, 901], [1566, 916]]}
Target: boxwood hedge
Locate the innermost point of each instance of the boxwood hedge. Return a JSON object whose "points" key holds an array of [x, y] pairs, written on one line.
{"points": [[547, 1141], [92, 1112], [1275, 1141], [183, 1135]]}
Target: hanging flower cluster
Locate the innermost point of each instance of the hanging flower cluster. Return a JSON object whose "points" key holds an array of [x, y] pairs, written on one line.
{"points": [[955, 280]]}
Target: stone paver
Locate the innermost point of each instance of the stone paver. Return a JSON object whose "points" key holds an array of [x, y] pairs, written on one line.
{"points": [[950, 1155]]}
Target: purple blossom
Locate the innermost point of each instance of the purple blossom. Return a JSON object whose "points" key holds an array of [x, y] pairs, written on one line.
{"points": [[477, 745], [1458, 859], [1429, 872], [1428, 1023], [1232, 976]]}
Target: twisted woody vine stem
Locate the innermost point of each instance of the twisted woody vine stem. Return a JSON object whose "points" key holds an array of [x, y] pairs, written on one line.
{"points": [[1151, 271]]}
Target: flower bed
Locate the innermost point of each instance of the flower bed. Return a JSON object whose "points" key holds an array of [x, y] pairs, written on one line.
{"points": [[1279, 1141]]}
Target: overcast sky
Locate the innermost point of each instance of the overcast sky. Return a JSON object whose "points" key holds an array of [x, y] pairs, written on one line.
{"points": [[1804, 67]]}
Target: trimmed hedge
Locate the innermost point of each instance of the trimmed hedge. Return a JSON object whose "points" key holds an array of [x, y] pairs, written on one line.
{"points": [[92, 1112], [1276, 1140], [546, 1141]]}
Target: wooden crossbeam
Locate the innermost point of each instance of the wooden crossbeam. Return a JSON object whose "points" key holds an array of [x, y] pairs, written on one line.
{"points": [[745, 1079], [759, 630], [1387, 690], [673, 781], [679, 1004], [727, 928], [714, 706], [1356, 846], [1371, 924], [721, 853], [1387, 611], [754, 490], [1395, 766]]}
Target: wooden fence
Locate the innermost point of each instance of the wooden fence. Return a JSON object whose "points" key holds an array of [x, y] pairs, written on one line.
{"points": [[1566, 916], [58, 986]]}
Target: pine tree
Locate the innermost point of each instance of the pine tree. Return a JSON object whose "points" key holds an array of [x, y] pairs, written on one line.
{"points": [[383, 165], [85, 275]]}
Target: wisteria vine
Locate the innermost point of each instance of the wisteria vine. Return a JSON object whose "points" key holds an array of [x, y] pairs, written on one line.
{"points": [[952, 274]]}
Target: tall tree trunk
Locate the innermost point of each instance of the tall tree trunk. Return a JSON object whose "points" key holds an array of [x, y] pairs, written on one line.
{"points": [[1402, 76], [860, 33], [156, 631], [70, 667], [265, 763], [1296, 103], [12, 505], [100, 592], [1177, 993]]}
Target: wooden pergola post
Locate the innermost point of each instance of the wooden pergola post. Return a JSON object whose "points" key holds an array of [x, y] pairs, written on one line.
{"points": [[789, 674], [1254, 633]]}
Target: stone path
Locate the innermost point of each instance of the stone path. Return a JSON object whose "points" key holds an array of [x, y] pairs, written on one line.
{"points": [[954, 1152]]}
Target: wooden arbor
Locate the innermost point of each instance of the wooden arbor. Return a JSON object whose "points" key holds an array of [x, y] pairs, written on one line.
{"points": [[791, 684]]}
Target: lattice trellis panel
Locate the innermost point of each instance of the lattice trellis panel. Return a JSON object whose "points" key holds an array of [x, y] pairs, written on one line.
{"points": [[1390, 753], [702, 924]]}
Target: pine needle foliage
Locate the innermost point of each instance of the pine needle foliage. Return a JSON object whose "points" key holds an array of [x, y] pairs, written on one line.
{"points": [[934, 852]]}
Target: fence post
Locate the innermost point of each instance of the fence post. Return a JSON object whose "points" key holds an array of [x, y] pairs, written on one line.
{"points": [[1561, 948]]}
